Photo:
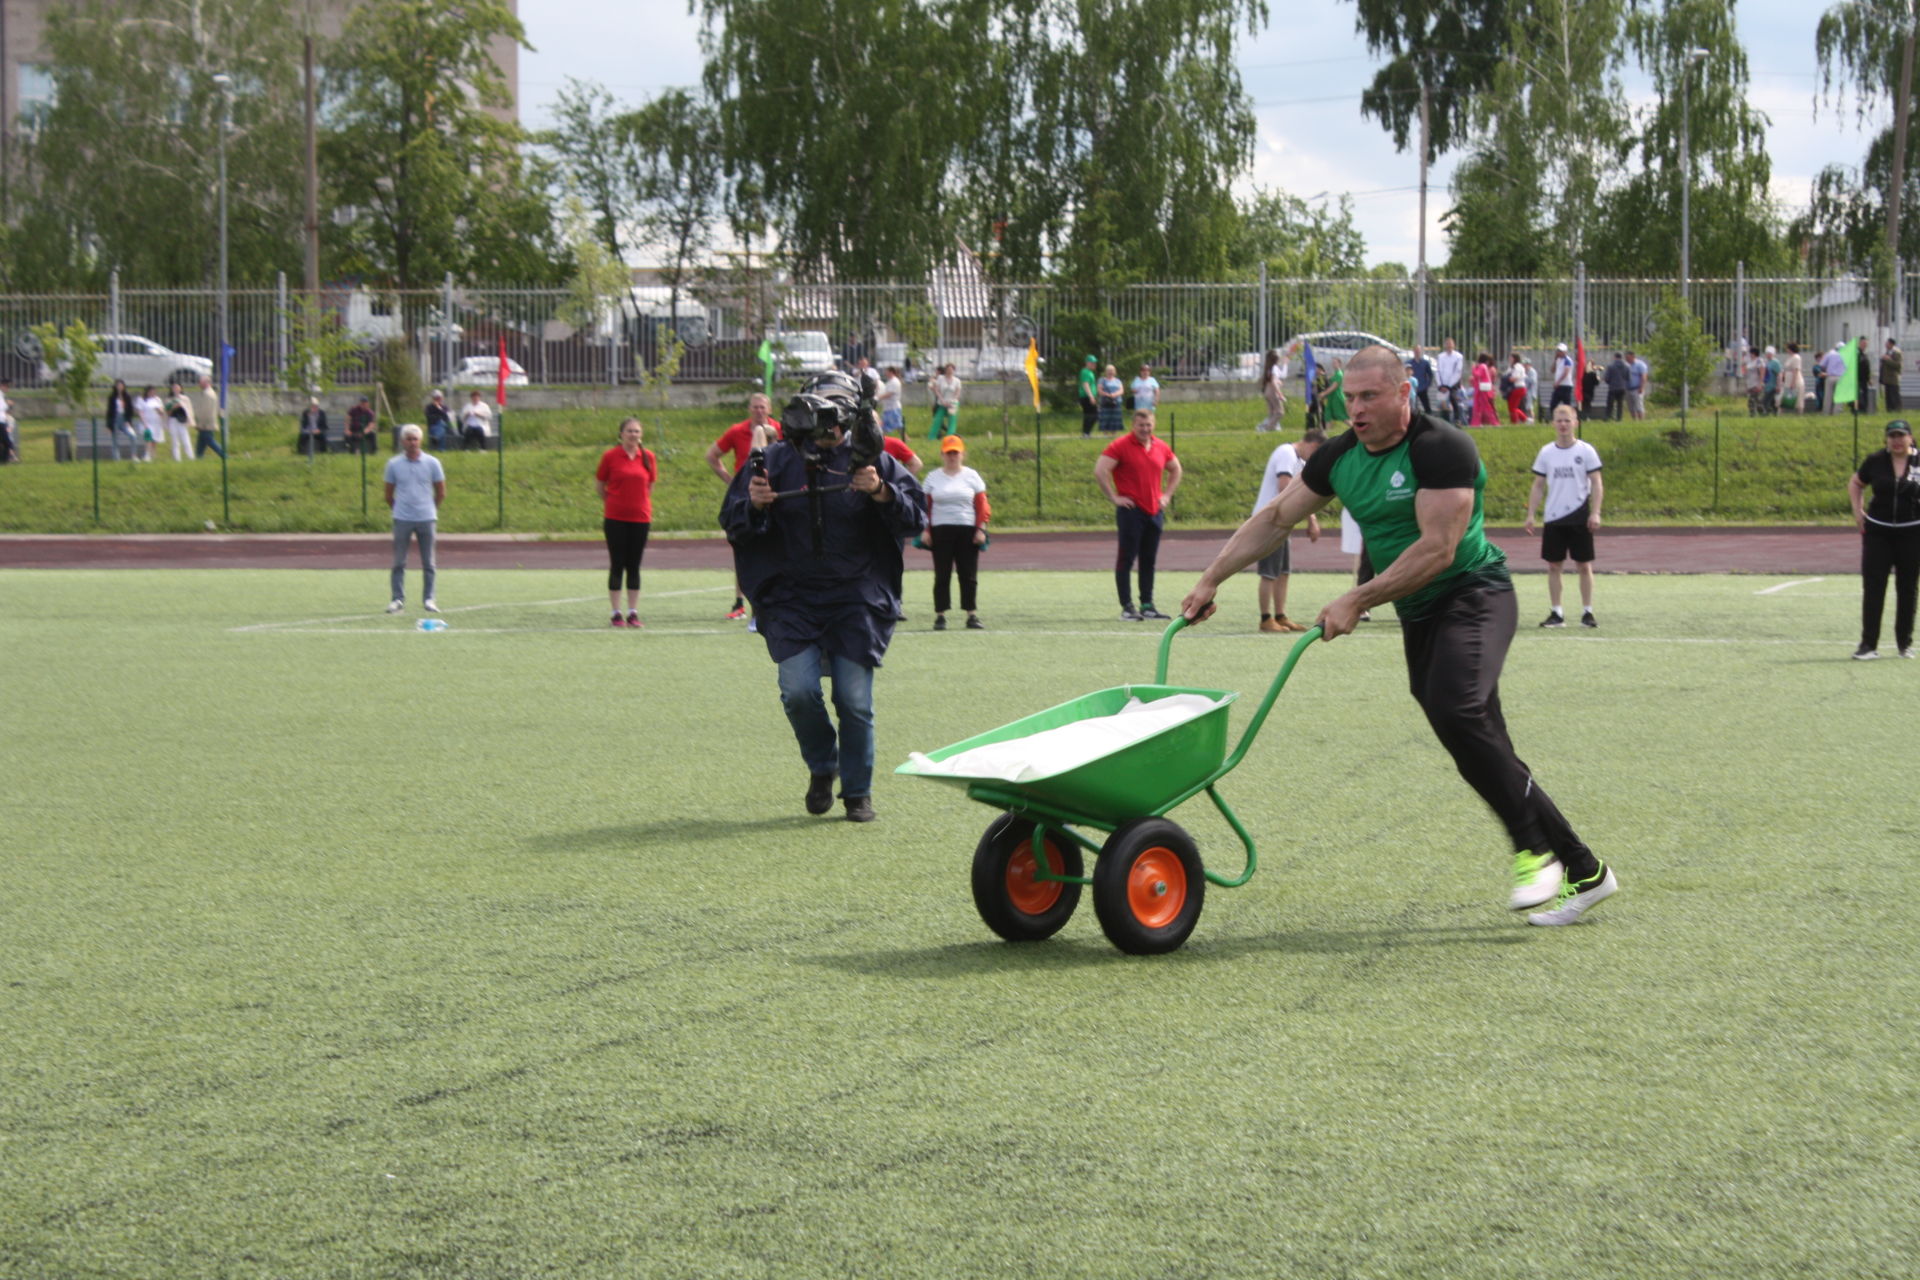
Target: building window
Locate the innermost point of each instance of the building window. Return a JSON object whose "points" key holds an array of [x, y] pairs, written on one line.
{"points": [[36, 95]]}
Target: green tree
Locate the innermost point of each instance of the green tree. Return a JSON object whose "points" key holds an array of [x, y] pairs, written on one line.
{"points": [[1680, 351], [72, 355], [1733, 219], [1441, 45], [842, 121], [419, 157], [673, 144], [1297, 239], [321, 346], [121, 172], [1866, 52]]}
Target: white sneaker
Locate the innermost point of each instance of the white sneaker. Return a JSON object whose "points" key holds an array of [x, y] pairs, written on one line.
{"points": [[753, 626], [1907, 652], [1575, 901], [1536, 880], [429, 605], [1864, 654], [396, 606]]}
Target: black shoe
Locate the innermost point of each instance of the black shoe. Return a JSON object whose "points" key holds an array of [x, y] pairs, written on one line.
{"points": [[859, 808], [1587, 620], [1129, 614], [974, 623], [820, 793], [940, 622], [1150, 613], [1554, 620]]}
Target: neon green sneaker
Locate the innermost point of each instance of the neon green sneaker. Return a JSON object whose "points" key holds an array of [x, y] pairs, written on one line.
{"points": [[1536, 879], [1578, 897]]}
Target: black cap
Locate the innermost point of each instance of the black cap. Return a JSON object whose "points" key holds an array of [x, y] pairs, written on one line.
{"points": [[1899, 427]]}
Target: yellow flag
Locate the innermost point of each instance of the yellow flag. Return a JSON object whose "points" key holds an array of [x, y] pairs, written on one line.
{"points": [[1033, 370]]}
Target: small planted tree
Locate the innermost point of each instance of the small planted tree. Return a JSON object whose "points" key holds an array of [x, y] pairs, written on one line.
{"points": [[1681, 353], [71, 356], [321, 347]]}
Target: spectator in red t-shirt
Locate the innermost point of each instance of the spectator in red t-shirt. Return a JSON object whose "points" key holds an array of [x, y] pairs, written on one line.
{"points": [[624, 482], [738, 440], [1139, 474], [902, 452]]}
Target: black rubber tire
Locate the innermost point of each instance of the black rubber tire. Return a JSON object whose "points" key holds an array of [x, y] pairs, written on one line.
{"points": [[186, 378], [1008, 842], [1144, 861]]}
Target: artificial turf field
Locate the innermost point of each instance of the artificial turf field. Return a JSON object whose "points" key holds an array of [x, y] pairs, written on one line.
{"points": [[333, 948]]}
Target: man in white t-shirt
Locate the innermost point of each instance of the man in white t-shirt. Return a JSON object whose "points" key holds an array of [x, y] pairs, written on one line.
{"points": [[1568, 472], [1283, 464], [893, 419], [1564, 376], [476, 423], [1448, 368]]}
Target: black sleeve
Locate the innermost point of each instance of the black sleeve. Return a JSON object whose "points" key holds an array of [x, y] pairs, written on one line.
{"points": [[1317, 474], [1866, 469], [1442, 457]]}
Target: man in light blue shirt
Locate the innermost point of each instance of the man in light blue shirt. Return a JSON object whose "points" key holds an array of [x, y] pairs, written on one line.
{"points": [[416, 486], [1146, 391]]}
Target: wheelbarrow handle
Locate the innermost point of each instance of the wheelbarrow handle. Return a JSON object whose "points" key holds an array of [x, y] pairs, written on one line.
{"points": [[1307, 637], [1179, 621]]}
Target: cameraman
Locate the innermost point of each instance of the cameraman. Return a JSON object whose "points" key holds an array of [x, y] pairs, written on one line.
{"points": [[816, 531]]}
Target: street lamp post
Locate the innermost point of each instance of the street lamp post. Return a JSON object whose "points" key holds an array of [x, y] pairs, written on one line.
{"points": [[1686, 199], [224, 83]]}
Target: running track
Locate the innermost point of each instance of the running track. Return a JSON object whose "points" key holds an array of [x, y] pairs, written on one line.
{"points": [[1625, 550]]}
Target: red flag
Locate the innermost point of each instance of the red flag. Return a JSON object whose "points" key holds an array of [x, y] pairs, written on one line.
{"points": [[500, 391], [1579, 366]]}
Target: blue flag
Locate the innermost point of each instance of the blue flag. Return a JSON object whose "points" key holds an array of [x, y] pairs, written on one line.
{"points": [[1307, 347], [226, 371]]}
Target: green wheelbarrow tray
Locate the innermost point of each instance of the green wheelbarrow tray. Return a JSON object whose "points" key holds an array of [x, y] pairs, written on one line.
{"points": [[1147, 778]]}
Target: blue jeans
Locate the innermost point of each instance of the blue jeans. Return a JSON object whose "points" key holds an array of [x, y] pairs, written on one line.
{"points": [[806, 711], [403, 532]]}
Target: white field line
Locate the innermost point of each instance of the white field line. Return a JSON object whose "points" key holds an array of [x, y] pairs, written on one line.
{"points": [[1798, 582], [322, 624], [667, 632]]}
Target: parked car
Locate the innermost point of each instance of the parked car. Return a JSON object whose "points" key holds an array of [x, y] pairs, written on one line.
{"points": [[803, 350], [1245, 368], [484, 371], [895, 354], [1335, 344], [141, 362]]}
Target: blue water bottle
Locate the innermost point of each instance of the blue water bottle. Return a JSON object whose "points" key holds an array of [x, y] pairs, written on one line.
{"points": [[433, 624]]}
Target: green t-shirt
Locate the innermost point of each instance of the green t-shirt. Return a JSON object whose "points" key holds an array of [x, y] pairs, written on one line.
{"points": [[1377, 490], [1086, 382]]}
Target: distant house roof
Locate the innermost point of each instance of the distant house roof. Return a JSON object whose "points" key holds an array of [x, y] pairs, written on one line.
{"points": [[1841, 293]]}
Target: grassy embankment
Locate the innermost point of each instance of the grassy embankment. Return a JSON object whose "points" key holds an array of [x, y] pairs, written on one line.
{"points": [[1770, 470]]}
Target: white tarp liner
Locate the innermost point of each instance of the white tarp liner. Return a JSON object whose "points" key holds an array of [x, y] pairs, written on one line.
{"points": [[1053, 751]]}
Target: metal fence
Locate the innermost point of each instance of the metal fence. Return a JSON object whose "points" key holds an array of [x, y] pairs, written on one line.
{"points": [[1187, 331]]}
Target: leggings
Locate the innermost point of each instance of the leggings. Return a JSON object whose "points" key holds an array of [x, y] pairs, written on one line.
{"points": [[626, 543], [1883, 551], [953, 549]]}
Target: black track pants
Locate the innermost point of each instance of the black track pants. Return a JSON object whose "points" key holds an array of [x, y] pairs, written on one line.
{"points": [[1454, 658]]}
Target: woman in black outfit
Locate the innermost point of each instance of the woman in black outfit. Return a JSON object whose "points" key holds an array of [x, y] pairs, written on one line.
{"points": [[121, 419], [1889, 538]]}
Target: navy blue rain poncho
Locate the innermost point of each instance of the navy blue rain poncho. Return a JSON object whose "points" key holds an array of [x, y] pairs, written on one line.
{"points": [[845, 598]]}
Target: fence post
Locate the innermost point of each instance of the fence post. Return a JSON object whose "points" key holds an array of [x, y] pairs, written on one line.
{"points": [[1037, 501], [1263, 310], [280, 331], [446, 327], [113, 320], [94, 431]]}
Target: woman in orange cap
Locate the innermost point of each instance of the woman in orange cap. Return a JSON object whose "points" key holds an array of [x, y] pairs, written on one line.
{"points": [[957, 514]]}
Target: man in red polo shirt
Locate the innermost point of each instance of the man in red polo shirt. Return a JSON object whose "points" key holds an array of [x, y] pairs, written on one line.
{"points": [[1139, 474], [738, 440]]}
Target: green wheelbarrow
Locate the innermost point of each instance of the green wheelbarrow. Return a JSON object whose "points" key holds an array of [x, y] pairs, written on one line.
{"points": [[1148, 882]]}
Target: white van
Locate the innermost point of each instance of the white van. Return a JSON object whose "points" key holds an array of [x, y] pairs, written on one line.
{"points": [[802, 350]]}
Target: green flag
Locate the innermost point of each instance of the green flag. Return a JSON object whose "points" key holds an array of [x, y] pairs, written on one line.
{"points": [[766, 358], [1848, 388]]}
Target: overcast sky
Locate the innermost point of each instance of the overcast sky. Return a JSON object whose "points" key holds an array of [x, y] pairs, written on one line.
{"points": [[1304, 74]]}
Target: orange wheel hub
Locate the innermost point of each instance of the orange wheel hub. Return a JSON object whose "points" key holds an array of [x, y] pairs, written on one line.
{"points": [[1025, 890], [1156, 887]]}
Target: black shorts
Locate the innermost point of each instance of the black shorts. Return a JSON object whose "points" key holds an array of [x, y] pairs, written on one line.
{"points": [[1558, 541]]}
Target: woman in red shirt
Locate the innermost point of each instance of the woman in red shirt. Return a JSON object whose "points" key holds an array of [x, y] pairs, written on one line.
{"points": [[624, 482]]}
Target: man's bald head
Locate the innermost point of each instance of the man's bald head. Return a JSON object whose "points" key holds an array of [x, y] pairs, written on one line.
{"points": [[1376, 357]]}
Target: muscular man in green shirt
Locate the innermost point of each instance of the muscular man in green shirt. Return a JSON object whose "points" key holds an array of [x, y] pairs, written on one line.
{"points": [[1414, 482]]}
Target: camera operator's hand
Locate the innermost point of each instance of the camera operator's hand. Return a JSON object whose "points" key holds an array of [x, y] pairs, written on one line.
{"points": [[759, 492], [867, 480]]}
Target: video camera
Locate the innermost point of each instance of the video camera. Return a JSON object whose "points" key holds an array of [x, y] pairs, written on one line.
{"points": [[829, 407]]}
